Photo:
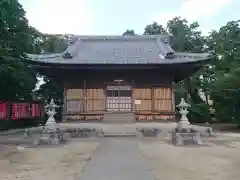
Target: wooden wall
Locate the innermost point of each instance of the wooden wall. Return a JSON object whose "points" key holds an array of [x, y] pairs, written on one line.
{"points": [[152, 98], [95, 100], [84, 102], [154, 103]]}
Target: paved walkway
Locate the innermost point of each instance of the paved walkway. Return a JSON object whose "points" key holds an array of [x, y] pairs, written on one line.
{"points": [[117, 159]]}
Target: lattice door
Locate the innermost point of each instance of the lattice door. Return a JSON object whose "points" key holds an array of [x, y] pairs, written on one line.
{"points": [[119, 98]]}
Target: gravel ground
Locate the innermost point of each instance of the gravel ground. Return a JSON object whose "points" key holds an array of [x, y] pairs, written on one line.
{"points": [[58, 163], [217, 161], [220, 160]]}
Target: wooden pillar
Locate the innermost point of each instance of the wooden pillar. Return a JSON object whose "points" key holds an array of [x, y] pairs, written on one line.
{"points": [[173, 100], [152, 101], [133, 97], [64, 108], [85, 95], [173, 97], [106, 95]]}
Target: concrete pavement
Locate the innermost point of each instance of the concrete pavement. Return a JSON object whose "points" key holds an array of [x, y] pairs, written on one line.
{"points": [[117, 159]]}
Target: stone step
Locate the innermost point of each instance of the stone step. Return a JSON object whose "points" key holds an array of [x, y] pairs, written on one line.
{"points": [[120, 132], [119, 117], [119, 135]]}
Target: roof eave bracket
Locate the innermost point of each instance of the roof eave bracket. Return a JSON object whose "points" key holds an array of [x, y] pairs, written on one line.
{"points": [[170, 55]]}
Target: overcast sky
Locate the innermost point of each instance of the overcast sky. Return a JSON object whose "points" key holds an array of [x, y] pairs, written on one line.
{"points": [[115, 16]]}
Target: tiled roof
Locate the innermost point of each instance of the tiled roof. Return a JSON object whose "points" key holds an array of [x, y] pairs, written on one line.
{"points": [[141, 49]]}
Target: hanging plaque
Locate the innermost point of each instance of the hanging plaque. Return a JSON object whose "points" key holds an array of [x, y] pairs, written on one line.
{"points": [[138, 101]]}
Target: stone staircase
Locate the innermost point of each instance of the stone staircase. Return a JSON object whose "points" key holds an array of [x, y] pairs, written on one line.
{"points": [[119, 117]]}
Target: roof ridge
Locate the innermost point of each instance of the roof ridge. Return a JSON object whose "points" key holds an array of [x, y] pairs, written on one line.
{"points": [[120, 37], [164, 48], [73, 47]]}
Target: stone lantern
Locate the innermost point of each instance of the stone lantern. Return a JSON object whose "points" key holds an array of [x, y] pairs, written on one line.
{"points": [[183, 110], [185, 133], [50, 134], [50, 109]]}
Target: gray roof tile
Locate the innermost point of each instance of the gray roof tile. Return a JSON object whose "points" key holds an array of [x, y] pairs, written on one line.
{"points": [[119, 50]]}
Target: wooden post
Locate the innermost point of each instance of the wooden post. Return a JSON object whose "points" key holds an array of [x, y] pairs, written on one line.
{"points": [[84, 97], [133, 97], [152, 102], [173, 98], [64, 107]]}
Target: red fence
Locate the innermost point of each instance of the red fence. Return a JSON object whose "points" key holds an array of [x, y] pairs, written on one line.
{"points": [[21, 110]]}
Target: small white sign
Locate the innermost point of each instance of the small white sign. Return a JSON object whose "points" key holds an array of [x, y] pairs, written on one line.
{"points": [[138, 102]]}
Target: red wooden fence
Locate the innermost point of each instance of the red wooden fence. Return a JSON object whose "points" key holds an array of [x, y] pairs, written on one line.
{"points": [[21, 110]]}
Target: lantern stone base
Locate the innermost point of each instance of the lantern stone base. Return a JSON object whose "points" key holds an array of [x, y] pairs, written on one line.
{"points": [[186, 138], [50, 138], [183, 125]]}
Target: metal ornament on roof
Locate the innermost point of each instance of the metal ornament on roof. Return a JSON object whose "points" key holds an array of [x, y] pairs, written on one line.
{"points": [[170, 55], [72, 39], [67, 55]]}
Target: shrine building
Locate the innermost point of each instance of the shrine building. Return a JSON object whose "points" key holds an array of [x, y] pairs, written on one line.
{"points": [[128, 75]]}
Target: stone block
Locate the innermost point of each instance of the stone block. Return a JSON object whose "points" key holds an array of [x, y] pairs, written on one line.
{"points": [[186, 138], [149, 132]]}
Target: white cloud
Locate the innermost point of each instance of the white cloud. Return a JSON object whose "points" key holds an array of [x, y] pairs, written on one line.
{"points": [[197, 9], [61, 16], [194, 10]]}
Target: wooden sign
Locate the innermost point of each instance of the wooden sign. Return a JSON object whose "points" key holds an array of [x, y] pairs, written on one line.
{"points": [[138, 101]]}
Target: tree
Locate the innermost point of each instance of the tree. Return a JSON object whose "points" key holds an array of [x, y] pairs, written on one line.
{"points": [[185, 37], [53, 43], [16, 38], [225, 85], [129, 33], [51, 87], [154, 28]]}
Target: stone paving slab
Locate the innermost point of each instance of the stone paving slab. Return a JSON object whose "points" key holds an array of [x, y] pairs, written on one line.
{"points": [[117, 159]]}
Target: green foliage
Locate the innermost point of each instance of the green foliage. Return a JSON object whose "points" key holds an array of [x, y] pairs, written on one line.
{"points": [[154, 28], [51, 87], [224, 89], [16, 38], [199, 112], [183, 36], [53, 44], [129, 33], [226, 95]]}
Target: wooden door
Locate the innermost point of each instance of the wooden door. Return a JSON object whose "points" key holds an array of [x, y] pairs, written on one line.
{"points": [[119, 98]]}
